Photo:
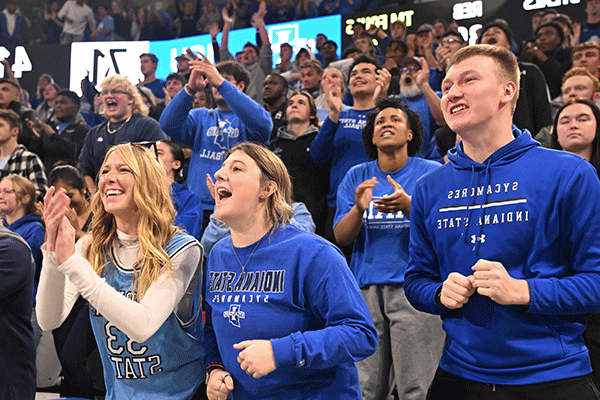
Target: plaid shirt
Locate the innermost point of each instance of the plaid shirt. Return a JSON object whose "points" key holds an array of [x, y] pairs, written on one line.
{"points": [[28, 165]]}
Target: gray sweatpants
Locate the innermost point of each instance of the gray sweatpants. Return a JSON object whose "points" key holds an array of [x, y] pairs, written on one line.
{"points": [[409, 349]]}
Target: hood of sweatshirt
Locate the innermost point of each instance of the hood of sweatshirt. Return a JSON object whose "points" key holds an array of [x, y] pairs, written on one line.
{"points": [[503, 156], [25, 220]]}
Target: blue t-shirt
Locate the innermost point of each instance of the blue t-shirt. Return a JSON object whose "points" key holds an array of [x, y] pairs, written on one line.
{"points": [[590, 33], [107, 23], [380, 252], [157, 87], [419, 105], [98, 140]]}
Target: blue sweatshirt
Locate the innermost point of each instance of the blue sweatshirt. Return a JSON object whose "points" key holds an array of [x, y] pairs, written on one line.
{"points": [[419, 105], [340, 144], [535, 211], [296, 290], [17, 358], [217, 230], [188, 209], [31, 228], [211, 133]]}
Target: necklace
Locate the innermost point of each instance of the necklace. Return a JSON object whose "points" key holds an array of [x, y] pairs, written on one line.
{"points": [[113, 131], [249, 257]]}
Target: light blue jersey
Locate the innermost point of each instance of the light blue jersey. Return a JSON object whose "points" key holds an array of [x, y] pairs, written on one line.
{"points": [[166, 366]]}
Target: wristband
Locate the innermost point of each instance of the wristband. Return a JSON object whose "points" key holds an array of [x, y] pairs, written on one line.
{"points": [[211, 367], [189, 90]]}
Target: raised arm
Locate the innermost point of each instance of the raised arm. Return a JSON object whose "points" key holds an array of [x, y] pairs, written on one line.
{"points": [[321, 148], [224, 52], [175, 120], [351, 202], [433, 100], [138, 320], [266, 54]]}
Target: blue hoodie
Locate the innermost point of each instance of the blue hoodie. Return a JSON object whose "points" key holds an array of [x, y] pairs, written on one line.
{"points": [[188, 209], [31, 228], [535, 211]]}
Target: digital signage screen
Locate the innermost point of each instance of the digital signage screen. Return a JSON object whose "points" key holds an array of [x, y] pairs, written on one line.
{"points": [[101, 59]]}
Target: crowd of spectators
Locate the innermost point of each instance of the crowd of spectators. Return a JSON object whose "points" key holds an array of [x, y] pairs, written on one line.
{"points": [[310, 108], [79, 20]]}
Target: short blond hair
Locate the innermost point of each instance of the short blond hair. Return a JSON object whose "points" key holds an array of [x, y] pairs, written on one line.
{"points": [[122, 83], [508, 67]]}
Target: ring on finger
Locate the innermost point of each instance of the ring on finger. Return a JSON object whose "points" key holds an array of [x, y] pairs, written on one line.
{"points": [[248, 372]]}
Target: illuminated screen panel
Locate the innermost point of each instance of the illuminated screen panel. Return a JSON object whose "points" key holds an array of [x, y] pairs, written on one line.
{"points": [[299, 34], [101, 59]]}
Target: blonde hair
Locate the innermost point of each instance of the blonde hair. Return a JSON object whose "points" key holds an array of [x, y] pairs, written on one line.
{"points": [[340, 75], [152, 198], [23, 187], [122, 83], [506, 62], [279, 204]]}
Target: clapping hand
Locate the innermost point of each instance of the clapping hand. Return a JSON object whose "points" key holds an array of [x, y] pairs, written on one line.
{"points": [[399, 200]]}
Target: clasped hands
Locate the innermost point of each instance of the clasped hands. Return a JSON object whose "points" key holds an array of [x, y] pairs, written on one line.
{"points": [[203, 72], [398, 200], [489, 279], [60, 234], [255, 358]]}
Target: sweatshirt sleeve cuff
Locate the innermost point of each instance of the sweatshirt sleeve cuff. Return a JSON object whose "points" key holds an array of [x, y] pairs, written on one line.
{"points": [[283, 351]]}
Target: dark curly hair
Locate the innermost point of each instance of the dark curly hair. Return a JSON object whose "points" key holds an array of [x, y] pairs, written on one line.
{"points": [[414, 124]]}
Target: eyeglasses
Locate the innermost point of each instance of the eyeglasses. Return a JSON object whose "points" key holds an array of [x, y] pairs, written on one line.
{"points": [[412, 68], [147, 145], [6, 192], [112, 92], [450, 41]]}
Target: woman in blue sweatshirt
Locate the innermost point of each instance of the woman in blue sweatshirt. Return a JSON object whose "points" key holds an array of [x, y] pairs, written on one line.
{"points": [[20, 215], [284, 316]]}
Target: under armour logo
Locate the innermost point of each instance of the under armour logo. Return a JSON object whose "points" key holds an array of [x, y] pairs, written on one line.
{"points": [[234, 315], [474, 239]]}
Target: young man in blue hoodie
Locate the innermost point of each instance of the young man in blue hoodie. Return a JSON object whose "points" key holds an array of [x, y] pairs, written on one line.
{"points": [[505, 246]]}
